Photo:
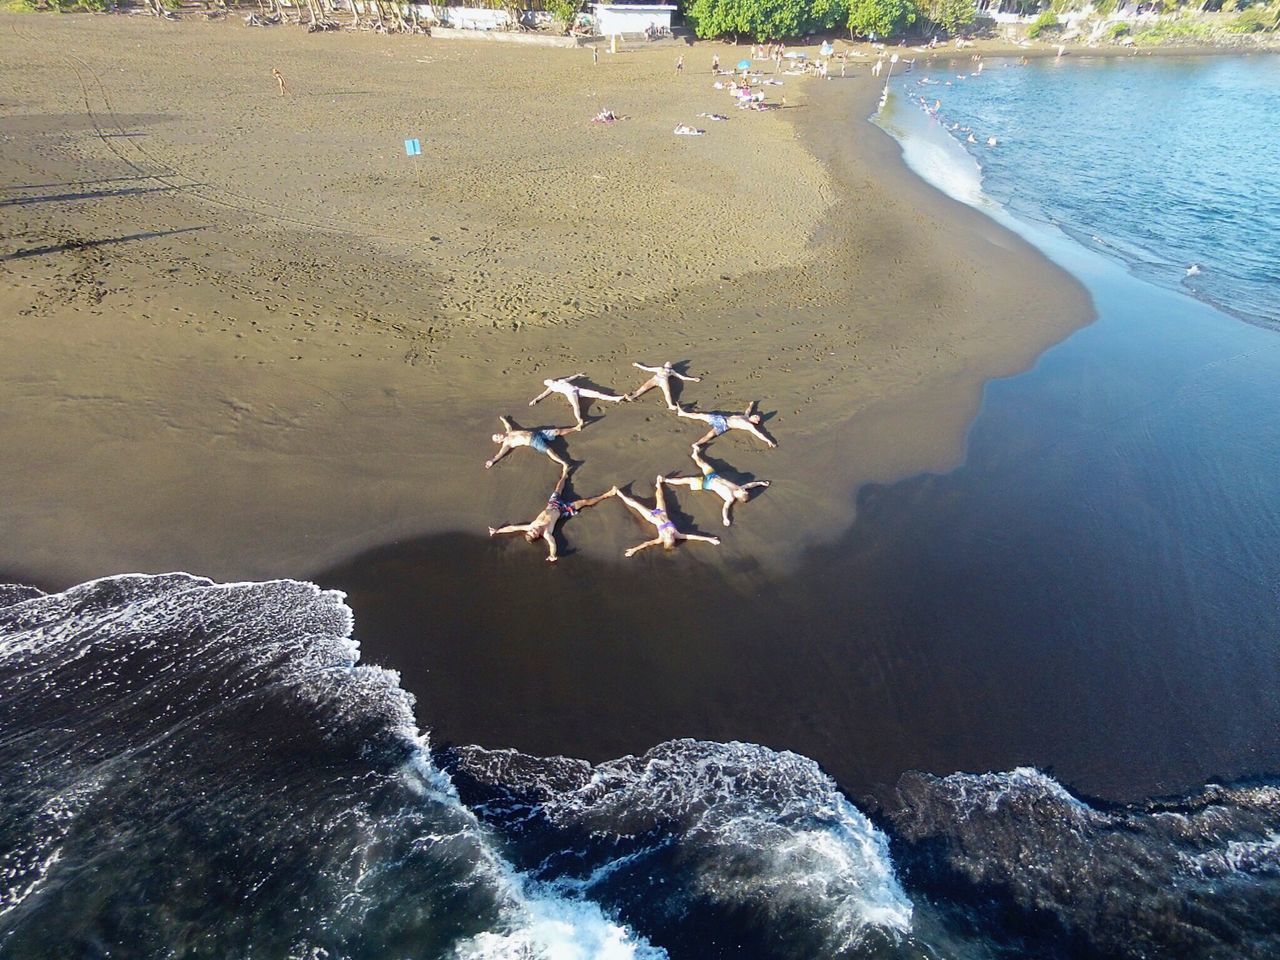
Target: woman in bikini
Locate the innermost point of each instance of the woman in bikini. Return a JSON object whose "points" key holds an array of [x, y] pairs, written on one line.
{"points": [[661, 379], [544, 524], [667, 532], [574, 394], [722, 423], [539, 440], [726, 490]]}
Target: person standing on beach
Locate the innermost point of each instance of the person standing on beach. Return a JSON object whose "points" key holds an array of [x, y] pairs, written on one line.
{"points": [[661, 379], [667, 532], [715, 64], [679, 64], [544, 524], [574, 394], [539, 440], [722, 423], [279, 78], [595, 56], [726, 490]]}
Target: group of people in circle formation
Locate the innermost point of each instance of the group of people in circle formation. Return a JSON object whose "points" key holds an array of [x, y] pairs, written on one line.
{"points": [[544, 524]]}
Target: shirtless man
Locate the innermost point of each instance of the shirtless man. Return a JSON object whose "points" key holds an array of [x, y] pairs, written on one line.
{"points": [[279, 78], [726, 490], [667, 532], [574, 394], [539, 440], [748, 420], [544, 524], [662, 379]]}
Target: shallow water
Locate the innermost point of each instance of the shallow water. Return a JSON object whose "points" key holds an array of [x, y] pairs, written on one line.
{"points": [[1166, 164]]}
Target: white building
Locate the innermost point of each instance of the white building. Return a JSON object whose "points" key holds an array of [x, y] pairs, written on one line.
{"points": [[614, 18]]}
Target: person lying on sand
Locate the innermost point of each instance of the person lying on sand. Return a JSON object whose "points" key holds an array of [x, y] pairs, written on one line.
{"points": [[667, 532], [544, 524], [713, 116], [662, 379], [721, 423], [574, 394], [726, 490], [684, 130], [606, 116], [539, 440]]}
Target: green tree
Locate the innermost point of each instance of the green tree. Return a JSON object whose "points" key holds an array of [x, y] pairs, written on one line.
{"points": [[951, 15], [884, 18], [763, 19]]}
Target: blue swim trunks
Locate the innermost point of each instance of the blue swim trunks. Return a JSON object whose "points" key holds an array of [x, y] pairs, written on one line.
{"points": [[542, 439], [718, 423]]}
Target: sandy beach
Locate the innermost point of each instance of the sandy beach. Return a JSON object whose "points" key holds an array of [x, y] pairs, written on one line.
{"points": [[248, 337]]}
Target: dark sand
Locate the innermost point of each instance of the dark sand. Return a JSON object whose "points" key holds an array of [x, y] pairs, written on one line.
{"points": [[241, 340]]}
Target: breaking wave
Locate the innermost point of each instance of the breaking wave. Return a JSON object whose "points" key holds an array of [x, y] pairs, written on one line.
{"points": [[199, 769]]}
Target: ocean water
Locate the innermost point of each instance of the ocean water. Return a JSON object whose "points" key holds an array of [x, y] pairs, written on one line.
{"points": [[196, 769], [1168, 165], [192, 769]]}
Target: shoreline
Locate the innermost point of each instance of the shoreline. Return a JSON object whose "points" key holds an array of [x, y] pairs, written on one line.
{"points": [[868, 337]]}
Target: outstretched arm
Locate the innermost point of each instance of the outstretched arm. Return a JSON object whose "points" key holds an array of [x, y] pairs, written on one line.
{"points": [[510, 528], [756, 431], [715, 541], [550, 536], [502, 452], [643, 546], [506, 424], [545, 393], [755, 483], [641, 366], [724, 513], [686, 379]]}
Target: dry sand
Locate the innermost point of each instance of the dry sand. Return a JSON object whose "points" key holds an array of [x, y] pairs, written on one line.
{"points": [[245, 336]]}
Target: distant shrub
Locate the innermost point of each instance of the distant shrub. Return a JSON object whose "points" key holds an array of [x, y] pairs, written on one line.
{"points": [[1256, 19], [1104, 8], [1046, 21], [1115, 32], [1175, 31]]}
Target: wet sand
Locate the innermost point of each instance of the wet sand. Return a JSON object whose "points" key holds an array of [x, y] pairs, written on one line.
{"points": [[247, 337]]}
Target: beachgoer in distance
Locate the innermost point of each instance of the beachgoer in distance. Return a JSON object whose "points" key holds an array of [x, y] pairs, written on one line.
{"points": [[722, 423], [279, 78], [715, 64], [595, 56], [680, 64], [574, 394], [667, 532], [726, 490], [662, 380], [539, 440], [544, 524]]}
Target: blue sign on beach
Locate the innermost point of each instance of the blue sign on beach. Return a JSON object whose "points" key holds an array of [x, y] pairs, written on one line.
{"points": [[412, 148]]}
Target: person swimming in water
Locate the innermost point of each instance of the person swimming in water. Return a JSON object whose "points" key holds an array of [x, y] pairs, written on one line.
{"points": [[725, 489], [539, 440], [544, 524], [722, 423], [574, 393], [662, 380], [667, 532]]}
